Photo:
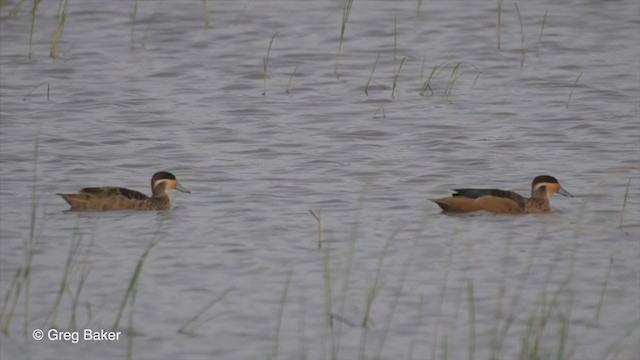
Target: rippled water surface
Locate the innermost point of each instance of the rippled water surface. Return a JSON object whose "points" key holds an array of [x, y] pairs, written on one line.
{"points": [[234, 270]]}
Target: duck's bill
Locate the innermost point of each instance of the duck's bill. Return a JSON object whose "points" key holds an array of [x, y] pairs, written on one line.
{"points": [[564, 192], [182, 188]]}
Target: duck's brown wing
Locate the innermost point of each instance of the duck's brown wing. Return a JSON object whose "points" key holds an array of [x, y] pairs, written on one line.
{"points": [[492, 200], [108, 192]]}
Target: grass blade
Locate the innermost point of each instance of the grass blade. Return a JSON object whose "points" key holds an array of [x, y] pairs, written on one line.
{"points": [[572, 88], [624, 202], [34, 10], [366, 87], [346, 11], [395, 78], [283, 301], [265, 63], [498, 21], [290, 82], [318, 217], [523, 50], [191, 325]]}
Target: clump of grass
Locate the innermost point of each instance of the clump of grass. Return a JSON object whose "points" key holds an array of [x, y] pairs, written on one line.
{"points": [[456, 73], [318, 216], [573, 88], [290, 81], [523, 50], [61, 19], [33, 23], [346, 11], [265, 62]]}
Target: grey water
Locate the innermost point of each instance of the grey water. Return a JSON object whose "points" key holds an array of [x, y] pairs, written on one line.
{"points": [[234, 270]]}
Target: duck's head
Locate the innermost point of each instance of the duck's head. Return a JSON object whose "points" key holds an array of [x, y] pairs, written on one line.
{"points": [[549, 185], [162, 182]]}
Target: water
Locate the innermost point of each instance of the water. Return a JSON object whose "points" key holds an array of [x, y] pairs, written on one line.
{"points": [[188, 98]]}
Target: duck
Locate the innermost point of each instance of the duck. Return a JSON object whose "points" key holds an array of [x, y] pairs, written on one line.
{"points": [[504, 202], [118, 198]]}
